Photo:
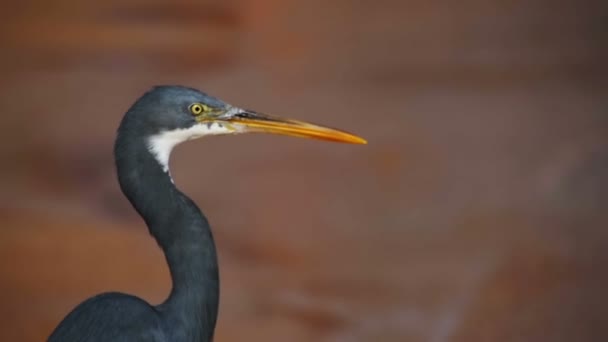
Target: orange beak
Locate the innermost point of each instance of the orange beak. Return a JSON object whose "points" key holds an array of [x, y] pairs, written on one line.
{"points": [[257, 122]]}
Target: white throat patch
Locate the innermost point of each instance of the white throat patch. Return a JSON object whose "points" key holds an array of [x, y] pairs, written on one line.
{"points": [[161, 145]]}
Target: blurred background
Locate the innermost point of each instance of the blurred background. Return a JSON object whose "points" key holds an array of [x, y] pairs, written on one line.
{"points": [[476, 213]]}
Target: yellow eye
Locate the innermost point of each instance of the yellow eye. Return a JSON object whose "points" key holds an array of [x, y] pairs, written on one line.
{"points": [[197, 108]]}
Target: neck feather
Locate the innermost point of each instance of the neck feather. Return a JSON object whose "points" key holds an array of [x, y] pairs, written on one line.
{"points": [[181, 230]]}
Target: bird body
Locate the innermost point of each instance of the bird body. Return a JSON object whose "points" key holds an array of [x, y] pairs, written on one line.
{"points": [[112, 317], [157, 122]]}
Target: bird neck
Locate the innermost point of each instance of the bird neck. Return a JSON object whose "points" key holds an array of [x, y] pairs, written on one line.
{"points": [[183, 233]]}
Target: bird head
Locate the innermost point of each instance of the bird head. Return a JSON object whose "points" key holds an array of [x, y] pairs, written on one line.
{"points": [[169, 115]]}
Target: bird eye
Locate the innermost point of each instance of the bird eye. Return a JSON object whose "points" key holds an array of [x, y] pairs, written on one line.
{"points": [[197, 108]]}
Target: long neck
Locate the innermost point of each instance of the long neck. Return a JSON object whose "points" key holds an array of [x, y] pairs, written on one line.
{"points": [[182, 232]]}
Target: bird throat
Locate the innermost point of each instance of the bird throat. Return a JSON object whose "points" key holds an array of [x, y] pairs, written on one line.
{"points": [[161, 144]]}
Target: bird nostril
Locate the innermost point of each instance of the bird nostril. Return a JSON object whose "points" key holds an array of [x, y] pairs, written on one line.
{"points": [[247, 115]]}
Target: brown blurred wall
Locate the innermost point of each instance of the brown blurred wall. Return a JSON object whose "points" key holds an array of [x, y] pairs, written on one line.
{"points": [[476, 213]]}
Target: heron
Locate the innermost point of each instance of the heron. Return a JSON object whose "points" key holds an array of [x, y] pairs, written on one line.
{"points": [[160, 119]]}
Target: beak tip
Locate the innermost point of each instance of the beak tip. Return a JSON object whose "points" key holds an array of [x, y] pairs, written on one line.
{"points": [[358, 140]]}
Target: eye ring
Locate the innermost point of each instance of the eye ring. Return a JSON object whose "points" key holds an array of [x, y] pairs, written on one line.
{"points": [[196, 109]]}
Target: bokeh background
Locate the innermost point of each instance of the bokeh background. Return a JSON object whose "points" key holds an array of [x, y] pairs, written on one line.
{"points": [[478, 211]]}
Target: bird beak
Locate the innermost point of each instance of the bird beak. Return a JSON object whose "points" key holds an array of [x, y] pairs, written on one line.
{"points": [[257, 122]]}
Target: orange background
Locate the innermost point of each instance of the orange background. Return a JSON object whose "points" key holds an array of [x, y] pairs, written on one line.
{"points": [[476, 213]]}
